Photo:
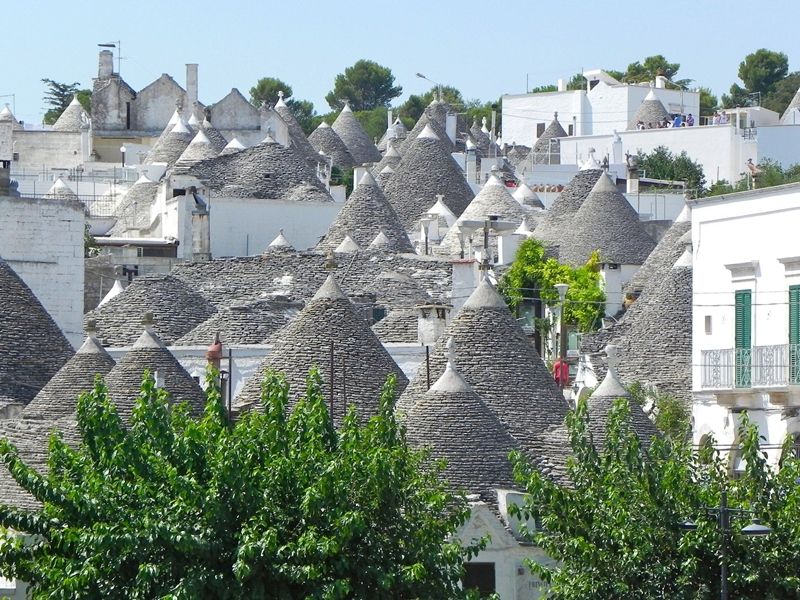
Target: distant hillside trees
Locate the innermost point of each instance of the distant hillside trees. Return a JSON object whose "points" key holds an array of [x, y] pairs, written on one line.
{"points": [[59, 95]]}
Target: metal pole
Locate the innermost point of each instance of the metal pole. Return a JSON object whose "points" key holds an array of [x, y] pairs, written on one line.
{"points": [[331, 387], [724, 523], [428, 366], [344, 384], [230, 385]]}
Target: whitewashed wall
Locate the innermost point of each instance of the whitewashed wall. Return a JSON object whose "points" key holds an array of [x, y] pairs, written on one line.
{"points": [[42, 240]]}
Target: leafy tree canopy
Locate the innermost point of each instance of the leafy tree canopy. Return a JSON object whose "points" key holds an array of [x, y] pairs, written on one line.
{"points": [[613, 532], [765, 73], [415, 105], [366, 85], [772, 174], [661, 163], [532, 275], [59, 95], [266, 91], [277, 505], [708, 102]]}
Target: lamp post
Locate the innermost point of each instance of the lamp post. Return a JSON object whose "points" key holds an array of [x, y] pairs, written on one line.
{"points": [[122, 151], [562, 289], [438, 85], [426, 221], [724, 514]]}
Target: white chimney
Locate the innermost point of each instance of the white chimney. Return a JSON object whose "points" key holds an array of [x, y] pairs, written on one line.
{"points": [[106, 68], [562, 85], [191, 86], [451, 127], [661, 82]]}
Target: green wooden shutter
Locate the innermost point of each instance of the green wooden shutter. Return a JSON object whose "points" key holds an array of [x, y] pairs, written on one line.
{"points": [[794, 334], [743, 318]]}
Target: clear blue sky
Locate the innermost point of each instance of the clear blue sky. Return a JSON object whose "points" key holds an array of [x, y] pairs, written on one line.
{"points": [[485, 49]]}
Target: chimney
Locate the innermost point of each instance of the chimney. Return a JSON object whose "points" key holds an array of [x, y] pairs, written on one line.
{"points": [[562, 85], [450, 127], [661, 82], [214, 354], [191, 85], [106, 68]]}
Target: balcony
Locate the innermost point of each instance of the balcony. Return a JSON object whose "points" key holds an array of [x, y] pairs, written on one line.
{"points": [[736, 374]]}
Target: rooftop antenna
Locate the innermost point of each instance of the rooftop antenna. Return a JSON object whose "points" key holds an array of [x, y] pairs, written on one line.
{"points": [[118, 46]]}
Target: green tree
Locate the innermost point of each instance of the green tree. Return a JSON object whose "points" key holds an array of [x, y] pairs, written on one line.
{"points": [[653, 66], [303, 111], [266, 91], [59, 95], [763, 69], [277, 505], [781, 95], [366, 85], [671, 416], [613, 530], [533, 276], [663, 164], [708, 102]]}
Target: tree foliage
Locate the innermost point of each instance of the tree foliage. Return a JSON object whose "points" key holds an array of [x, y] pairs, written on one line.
{"points": [[669, 415], [772, 174], [613, 532], [532, 275], [59, 95], [765, 73], [708, 102], [661, 163], [266, 89], [277, 505], [366, 85]]}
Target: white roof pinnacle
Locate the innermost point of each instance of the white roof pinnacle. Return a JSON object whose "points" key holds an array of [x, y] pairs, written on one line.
{"points": [[143, 178], [200, 138], [193, 120], [381, 240], [347, 245], [523, 192], [387, 169], [280, 241], [180, 127], [451, 380], [235, 144], [494, 180], [611, 386], [367, 179], [391, 151], [347, 107], [176, 116], [330, 290], [651, 95], [604, 184], [323, 125], [427, 132], [280, 103], [115, 291]]}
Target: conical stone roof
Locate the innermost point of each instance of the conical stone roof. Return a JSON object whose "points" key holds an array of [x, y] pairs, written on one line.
{"points": [[199, 149], [246, 324], [150, 354], [217, 140], [398, 294], [400, 133], [324, 139], [547, 149], [391, 158], [281, 241], [58, 399], [61, 191], [297, 137], [518, 154], [348, 244], [355, 138], [361, 364], [427, 120], [606, 223], [384, 176], [493, 199], [526, 196], [366, 213], [556, 224], [176, 308], [502, 366], [668, 250], [134, 210], [426, 170], [233, 147], [267, 170], [456, 425], [602, 401], [169, 148], [794, 105], [35, 348], [650, 111], [482, 139], [74, 118], [7, 116], [656, 343]]}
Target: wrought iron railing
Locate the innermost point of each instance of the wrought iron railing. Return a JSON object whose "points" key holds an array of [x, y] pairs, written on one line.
{"points": [[758, 367]]}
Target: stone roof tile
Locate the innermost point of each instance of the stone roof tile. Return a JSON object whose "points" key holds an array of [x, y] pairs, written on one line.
{"points": [[325, 139], [557, 221], [355, 138], [651, 110], [74, 118]]}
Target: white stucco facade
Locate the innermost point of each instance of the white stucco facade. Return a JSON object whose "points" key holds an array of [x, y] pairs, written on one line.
{"points": [[42, 240], [745, 241]]}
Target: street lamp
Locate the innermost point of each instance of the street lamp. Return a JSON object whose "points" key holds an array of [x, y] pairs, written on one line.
{"points": [[438, 85], [724, 514], [562, 289], [467, 227], [426, 221], [123, 150]]}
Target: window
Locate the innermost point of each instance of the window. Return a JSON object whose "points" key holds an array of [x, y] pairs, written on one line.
{"points": [[539, 130], [708, 324], [479, 576], [571, 130], [743, 325], [794, 334]]}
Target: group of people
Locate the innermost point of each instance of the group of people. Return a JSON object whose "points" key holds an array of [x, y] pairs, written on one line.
{"points": [[668, 122], [719, 118]]}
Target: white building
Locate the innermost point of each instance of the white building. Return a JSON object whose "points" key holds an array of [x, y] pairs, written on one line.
{"points": [[605, 106], [746, 319]]}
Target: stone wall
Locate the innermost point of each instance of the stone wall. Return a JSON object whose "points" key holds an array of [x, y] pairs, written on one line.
{"points": [[155, 104], [49, 149], [42, 240]]}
